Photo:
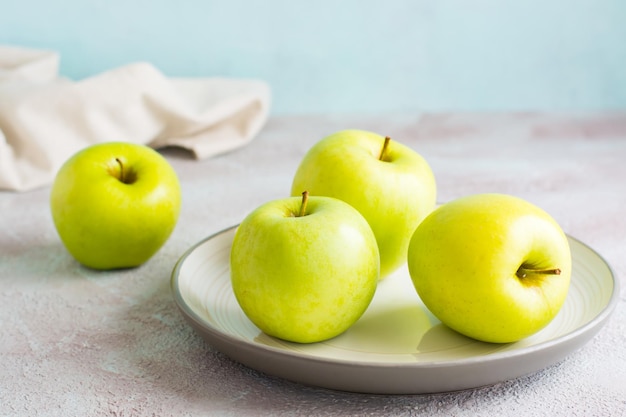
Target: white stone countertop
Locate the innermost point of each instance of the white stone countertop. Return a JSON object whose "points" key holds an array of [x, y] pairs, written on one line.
{"points": [[76, 342]]}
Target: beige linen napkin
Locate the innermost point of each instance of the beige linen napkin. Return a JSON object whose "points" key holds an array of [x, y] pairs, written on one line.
{"points": [[45, 118]]}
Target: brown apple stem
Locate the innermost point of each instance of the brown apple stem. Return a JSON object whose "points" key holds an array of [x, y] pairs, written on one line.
{"points": [[305, 199], [121, 177], [384, 149], [523, 272], [125, 175]]}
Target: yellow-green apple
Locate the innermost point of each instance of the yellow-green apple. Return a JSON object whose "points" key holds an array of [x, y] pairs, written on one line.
{"points": [[304, 269], [493, 267], [115, 204], [390, 184]]}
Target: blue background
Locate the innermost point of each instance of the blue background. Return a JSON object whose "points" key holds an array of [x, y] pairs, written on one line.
{"points": [[352, 56]]}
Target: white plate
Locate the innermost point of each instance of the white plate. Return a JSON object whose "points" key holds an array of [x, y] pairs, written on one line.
{"points": [[398, 346]]}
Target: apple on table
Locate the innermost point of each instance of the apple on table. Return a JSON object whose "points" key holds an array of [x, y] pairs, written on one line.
{"points": [[115, 204], [304, 269], [390, 184], [493, 267]]}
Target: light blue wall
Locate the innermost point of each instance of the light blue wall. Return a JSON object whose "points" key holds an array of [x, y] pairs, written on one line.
{"points": [[352, 56]]}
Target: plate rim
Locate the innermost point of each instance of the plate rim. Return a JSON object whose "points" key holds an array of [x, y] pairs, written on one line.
{"points": [[588, 329]]}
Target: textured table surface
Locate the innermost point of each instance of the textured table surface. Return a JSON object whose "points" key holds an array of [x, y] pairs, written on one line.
{"points": [[76, 342]]}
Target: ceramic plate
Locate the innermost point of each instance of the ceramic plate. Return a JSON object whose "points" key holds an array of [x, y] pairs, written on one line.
{"points": [[397, 346]]}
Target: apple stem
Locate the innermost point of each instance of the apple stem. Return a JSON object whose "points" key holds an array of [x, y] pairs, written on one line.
{"points": [[384, 149], [121, 169], [305, 199], [126, 176], [524, 272]]}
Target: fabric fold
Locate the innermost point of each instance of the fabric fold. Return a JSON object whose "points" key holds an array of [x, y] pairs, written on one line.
{"points": [[45, 118]]}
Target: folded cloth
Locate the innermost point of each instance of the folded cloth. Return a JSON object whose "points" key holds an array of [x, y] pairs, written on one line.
{"points": [[45, 118]]}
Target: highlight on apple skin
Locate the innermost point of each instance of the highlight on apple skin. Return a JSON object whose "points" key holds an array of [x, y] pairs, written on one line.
{"points": [[390, 184], [115, 204], [304, 269], [493, 267]]}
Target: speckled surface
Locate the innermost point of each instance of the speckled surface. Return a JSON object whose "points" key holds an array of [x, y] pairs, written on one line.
{"points": [[76, 342]]}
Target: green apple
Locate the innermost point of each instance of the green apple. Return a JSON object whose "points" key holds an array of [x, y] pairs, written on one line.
{"points": [[493, 267], [304, 269], [390, 184], [115, 204]]}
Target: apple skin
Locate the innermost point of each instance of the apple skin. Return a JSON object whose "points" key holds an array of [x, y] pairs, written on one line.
{"points": [[464, 257], [304, 279], [393, 195], [106, 223]]}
